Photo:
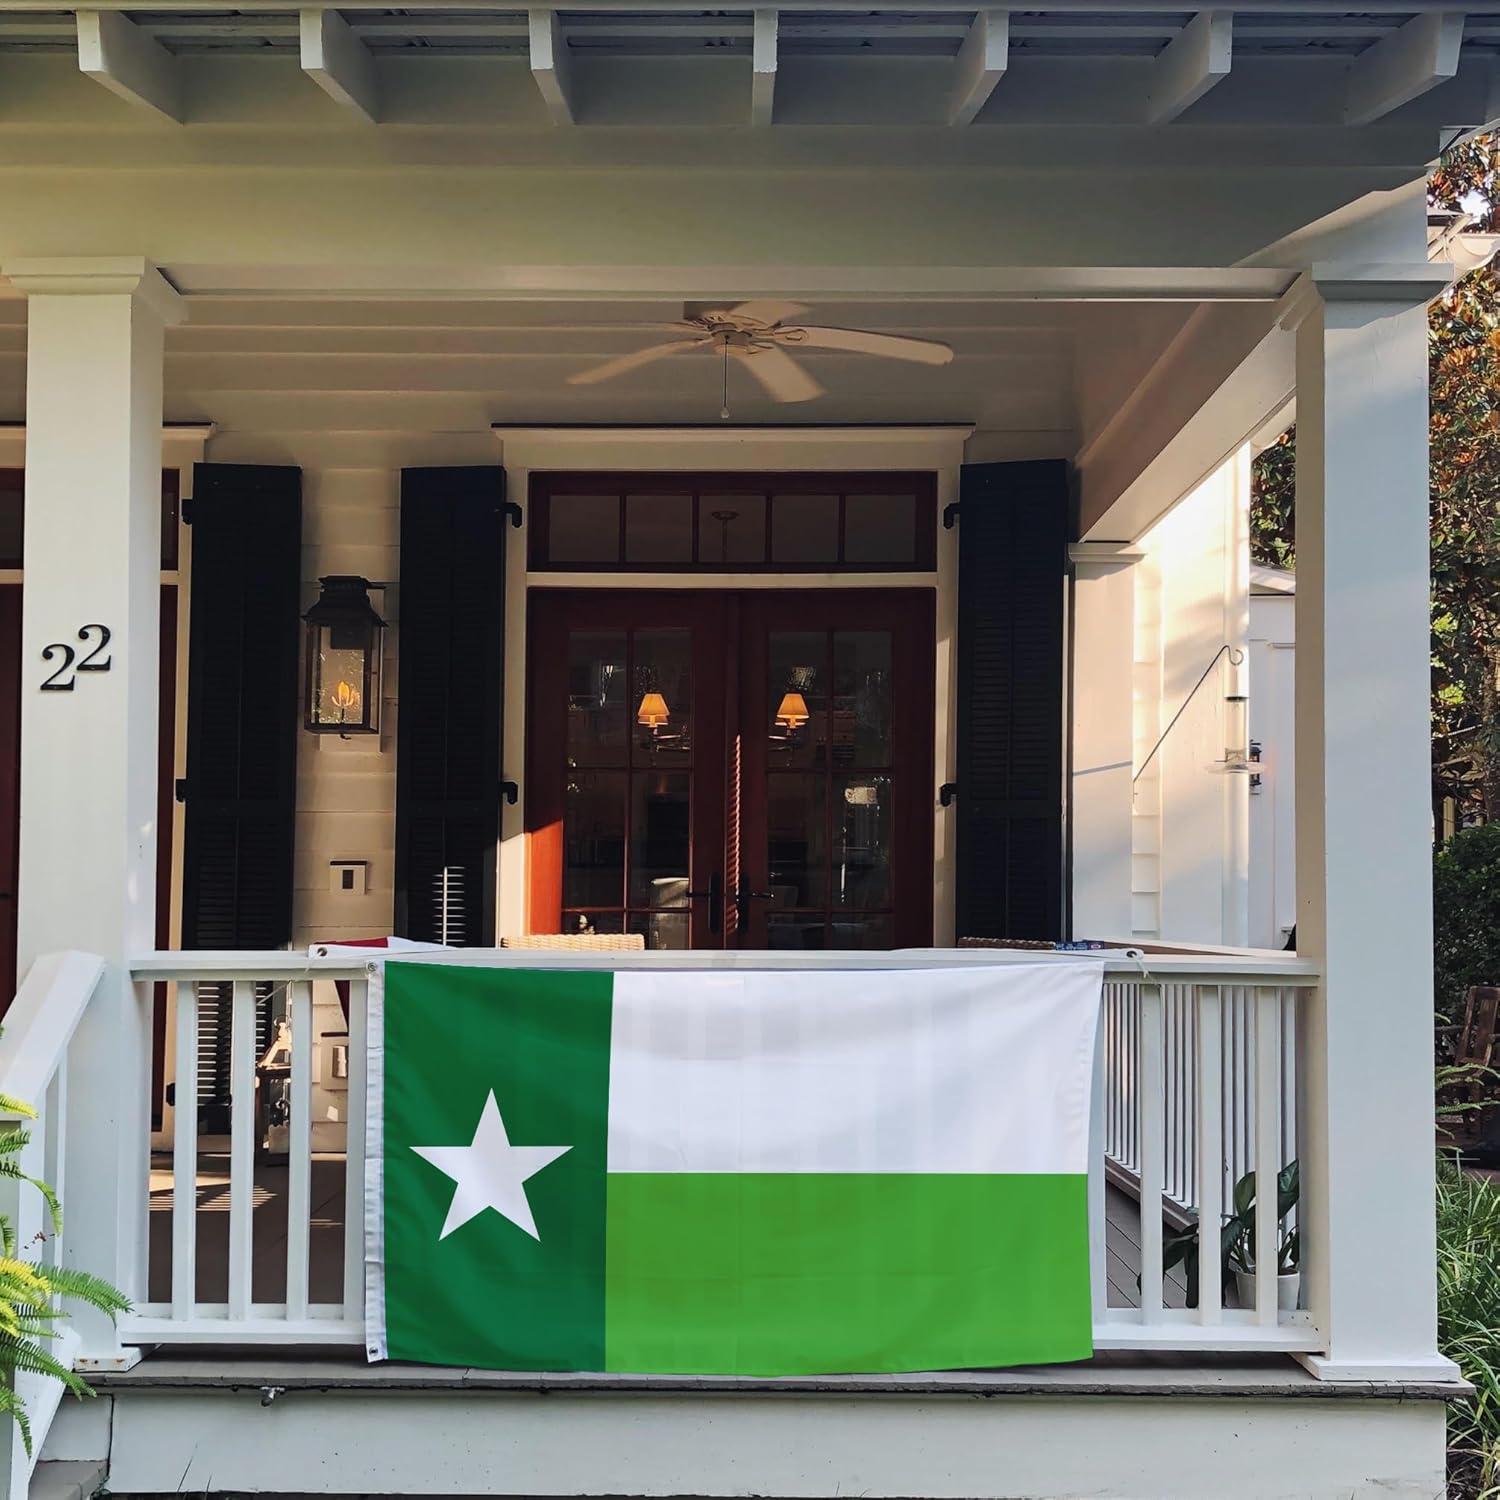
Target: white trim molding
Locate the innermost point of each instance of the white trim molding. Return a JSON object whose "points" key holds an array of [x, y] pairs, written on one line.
{"points": [[103, 275]]}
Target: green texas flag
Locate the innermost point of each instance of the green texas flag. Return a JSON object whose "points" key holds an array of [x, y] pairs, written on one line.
{"points": [[759, 1172]]}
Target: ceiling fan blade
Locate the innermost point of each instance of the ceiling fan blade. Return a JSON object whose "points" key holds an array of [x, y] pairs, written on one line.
{"points": [[780, 374], [883, 345], [768, 312], [627, 362]]}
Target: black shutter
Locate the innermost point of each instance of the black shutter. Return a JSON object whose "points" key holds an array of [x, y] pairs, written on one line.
{"points": [[450, 638], [242, 718], [1012, 560]]}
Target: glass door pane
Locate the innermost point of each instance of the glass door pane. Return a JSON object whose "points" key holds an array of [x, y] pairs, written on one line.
{"points": [[838, 756], [616, 804]]}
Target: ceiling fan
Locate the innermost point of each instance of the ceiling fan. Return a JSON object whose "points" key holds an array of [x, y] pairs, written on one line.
{"points": [[758, 335]]}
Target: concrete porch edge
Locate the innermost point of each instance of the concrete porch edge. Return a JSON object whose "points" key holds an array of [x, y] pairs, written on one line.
{"points": [[1273, 1377]]}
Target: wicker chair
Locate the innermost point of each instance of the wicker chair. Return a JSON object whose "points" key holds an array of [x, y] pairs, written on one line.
{"points": [[580, 942]]}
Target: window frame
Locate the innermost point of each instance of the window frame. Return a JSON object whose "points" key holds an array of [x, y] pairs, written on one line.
{"points": [[546, 485]]}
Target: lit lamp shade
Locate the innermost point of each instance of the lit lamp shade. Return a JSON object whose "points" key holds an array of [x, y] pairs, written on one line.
{"points": [[792, 711], [345, 638], [653, 712]]}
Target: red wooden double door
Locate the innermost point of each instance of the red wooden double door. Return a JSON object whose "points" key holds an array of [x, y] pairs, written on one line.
{"points": [[745, 769]]}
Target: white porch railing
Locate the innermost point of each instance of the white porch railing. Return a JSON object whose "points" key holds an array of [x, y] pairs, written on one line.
{"points": [[1240, 1023], [204, 1276], [1196, 1086]]}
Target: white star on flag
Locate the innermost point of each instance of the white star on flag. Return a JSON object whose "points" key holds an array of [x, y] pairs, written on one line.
{"points": [[490, 1173]]}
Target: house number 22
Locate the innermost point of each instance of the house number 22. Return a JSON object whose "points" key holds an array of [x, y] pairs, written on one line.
{"points": [[65, 673]]}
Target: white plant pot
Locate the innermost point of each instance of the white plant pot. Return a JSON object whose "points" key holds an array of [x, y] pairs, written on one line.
{"points": [[1287, 1289]]}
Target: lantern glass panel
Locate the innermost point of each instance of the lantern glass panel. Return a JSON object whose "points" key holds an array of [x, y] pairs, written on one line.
{"points": [[346, 678]]}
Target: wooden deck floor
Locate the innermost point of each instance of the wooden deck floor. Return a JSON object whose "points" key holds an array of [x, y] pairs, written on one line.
{"points": [[326, 1267]]}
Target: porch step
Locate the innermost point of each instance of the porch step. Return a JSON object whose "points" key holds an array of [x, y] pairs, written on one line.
{"points": [[67, 1479]]}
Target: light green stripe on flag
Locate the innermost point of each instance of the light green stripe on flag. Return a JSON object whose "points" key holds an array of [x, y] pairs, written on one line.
{"points": [[806, 1273], [731, 1173]]}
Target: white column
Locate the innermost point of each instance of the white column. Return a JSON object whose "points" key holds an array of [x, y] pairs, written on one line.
{"points": [[1364, 891], [1103, 737], [88, 747]]}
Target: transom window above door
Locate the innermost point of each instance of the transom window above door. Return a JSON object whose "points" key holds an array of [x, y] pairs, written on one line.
{"points": [[740, 523]]}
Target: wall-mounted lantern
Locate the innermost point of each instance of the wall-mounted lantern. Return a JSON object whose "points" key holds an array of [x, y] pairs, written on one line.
{"points": [[345, 639]]}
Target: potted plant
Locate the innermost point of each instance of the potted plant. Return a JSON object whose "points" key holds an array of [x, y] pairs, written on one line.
{"points": [[1237, 1244]]}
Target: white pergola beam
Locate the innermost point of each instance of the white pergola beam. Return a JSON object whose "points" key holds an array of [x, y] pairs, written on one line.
{"points": [[551, 66], [1190, 65], [114, 51], [763, 68], [338, 62], [982, 61], [1418, 56]]}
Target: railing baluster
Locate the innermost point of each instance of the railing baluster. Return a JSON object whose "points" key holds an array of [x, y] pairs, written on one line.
{"points": [[1267, 1149], [1232, 1082], [1098, 1261], [299, 1148], [1210, 1151], [1111, 1021], [354, 1157], [185, 1154], [242, 1123], [1172, 1014], [1151, 1138]]}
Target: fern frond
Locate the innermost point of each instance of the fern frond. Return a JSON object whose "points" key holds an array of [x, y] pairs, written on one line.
{"points": [[64, 1281], [26, 1355], [12, 1405]]}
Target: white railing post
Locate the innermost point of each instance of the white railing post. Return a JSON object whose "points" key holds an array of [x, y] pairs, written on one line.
{"points": [[1363, 817], [106, 1156]]}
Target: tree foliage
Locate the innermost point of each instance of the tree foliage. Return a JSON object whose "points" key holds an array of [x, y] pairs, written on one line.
{"points": [[1464, 363]]}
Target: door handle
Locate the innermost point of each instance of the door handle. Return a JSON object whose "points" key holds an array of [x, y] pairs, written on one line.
{"points": [[714, 895], [743, 897]]}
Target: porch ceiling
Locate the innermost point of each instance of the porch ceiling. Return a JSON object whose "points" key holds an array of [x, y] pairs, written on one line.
{"points": [[808, 28], [454, 365], [827, 61]]}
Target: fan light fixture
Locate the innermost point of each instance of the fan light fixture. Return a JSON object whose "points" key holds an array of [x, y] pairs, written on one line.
{"points": [[758, 335]]}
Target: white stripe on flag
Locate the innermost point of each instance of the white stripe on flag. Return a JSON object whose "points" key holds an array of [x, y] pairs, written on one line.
{"points": [[916, 1070]]}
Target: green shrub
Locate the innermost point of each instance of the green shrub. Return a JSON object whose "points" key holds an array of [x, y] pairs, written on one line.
{"points": [[1468, 1222], [1466, 917]]}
